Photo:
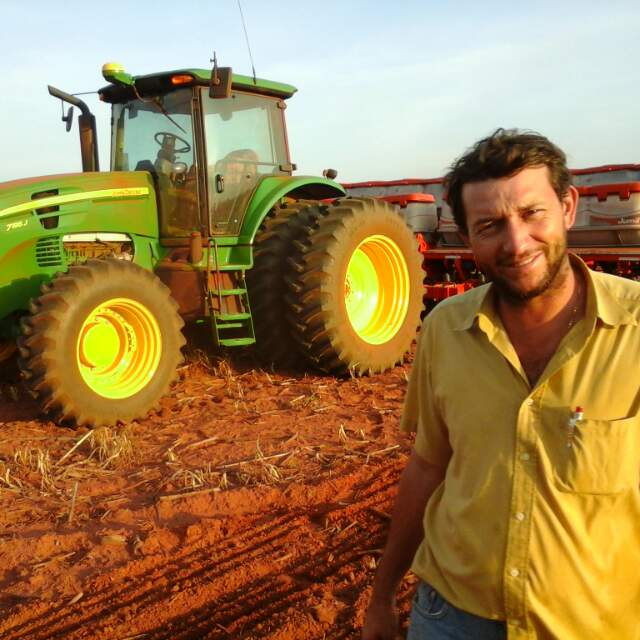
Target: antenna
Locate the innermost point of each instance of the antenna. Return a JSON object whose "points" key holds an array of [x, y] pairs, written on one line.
{"points": [[214, 74], [246, 37]]}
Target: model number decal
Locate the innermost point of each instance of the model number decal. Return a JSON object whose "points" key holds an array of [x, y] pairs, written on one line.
{"points": [[17, 225]]}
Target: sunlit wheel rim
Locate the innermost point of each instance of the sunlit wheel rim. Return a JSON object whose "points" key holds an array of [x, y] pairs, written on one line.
{"points": [[119, 348], [377, 289]]}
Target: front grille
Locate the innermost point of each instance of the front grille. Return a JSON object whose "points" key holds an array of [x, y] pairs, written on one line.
{"points": [[49, 252]]}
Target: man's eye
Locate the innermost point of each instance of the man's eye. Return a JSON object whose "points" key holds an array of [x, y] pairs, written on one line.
{"points": [[487, 227]]}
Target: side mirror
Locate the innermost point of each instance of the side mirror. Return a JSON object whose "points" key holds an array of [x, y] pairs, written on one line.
{"points": [[68, 119], [220, 85], [332, 174]]}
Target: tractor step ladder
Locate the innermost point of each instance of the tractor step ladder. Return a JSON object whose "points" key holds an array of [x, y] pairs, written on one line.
{"points": [[230, 329]]}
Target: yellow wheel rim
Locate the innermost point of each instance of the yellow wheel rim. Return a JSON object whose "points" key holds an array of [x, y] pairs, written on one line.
{"points": [[377, 289], [119, 348]]}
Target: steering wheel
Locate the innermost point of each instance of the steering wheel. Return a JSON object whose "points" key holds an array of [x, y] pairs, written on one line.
{"points": [[167, 137]]}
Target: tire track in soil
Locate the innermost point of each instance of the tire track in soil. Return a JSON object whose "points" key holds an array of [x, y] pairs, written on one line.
{"points": [[269, 602], [246, 585], [156, 581]]}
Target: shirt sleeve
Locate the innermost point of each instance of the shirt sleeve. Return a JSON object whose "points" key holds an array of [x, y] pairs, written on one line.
{"points": [[421, 413]]}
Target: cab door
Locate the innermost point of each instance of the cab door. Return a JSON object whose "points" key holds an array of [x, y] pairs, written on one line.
{"points": [[244, 141]]}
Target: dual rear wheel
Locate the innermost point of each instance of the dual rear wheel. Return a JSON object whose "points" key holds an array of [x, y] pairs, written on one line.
{"points": [[352, 283]]}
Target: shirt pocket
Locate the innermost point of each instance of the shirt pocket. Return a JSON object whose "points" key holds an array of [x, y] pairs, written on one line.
{"points": [[603, 458]]}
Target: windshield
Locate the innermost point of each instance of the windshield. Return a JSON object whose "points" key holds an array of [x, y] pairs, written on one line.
{"points": [[137, 125], [156, 135]]}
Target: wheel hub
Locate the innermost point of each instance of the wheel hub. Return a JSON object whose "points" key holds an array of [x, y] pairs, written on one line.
{"points": [[101, 345], [119, 348], [377, 289]]}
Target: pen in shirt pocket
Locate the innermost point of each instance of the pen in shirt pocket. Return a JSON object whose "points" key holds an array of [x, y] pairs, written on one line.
{"points": [[574, 418]]}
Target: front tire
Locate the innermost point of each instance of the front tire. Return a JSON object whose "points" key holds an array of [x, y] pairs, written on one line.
{"points": [[102, 343], [356, 288]]}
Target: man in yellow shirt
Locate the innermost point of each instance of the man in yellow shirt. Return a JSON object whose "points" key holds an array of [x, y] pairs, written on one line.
{"points": [[519, 508]]}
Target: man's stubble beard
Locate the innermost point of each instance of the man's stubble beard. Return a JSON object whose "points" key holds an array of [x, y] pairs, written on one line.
{"points": [[556, 256]]}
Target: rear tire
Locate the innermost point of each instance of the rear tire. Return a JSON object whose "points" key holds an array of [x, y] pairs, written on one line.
{"points": [[102, 343], [355, 287], [284, 225]]}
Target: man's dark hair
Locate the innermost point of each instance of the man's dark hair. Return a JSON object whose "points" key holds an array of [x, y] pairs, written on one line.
{"points": [[503, 154]]}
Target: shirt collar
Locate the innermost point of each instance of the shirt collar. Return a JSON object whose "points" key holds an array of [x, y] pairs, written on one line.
{"points": [[602, 301], [479, 302]]}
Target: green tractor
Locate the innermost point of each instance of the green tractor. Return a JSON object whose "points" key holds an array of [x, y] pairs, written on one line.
{"points": [[199, 220]]}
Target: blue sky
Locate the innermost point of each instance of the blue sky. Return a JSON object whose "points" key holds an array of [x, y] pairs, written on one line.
{"points": [[386, 90]]}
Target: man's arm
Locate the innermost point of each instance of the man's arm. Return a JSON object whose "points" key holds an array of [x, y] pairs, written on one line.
{"points": [[418, 481]]}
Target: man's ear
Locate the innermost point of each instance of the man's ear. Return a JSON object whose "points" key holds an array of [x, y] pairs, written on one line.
{"points": [[570, 206]]}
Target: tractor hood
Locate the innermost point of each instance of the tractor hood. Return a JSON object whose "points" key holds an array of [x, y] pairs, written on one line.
{"points": [[37, 215], [64, 201]]}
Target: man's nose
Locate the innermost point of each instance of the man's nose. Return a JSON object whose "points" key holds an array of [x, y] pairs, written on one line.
{"points": [[516, 237]]}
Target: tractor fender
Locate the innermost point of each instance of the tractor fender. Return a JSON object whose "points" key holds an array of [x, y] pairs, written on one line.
{"points": [[273, 188]]}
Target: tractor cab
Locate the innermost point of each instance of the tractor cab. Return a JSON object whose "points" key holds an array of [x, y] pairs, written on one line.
{"points": [[206, 154]]}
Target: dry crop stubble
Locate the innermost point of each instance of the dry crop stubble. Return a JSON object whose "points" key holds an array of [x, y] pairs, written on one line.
{"points": [[253, 505]]}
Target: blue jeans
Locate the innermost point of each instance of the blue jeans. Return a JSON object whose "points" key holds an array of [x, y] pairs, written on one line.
{"points": [[433, 618]]}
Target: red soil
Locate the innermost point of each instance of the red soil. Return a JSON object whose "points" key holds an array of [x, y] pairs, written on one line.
{"points": [[252, 505]]}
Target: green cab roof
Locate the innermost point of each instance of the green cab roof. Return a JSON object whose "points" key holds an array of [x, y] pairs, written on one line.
{"points": [[159, 83]]}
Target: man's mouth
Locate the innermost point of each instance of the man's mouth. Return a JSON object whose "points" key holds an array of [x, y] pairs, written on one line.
{"points": [[522, 263]]}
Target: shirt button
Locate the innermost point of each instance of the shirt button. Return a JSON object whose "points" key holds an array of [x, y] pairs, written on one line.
{"points": [[519, 516], [514, 573], [524, 456], [529, 402]]}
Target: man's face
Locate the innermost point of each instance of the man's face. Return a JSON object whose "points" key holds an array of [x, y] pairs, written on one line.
{"points": [[517, 229]]}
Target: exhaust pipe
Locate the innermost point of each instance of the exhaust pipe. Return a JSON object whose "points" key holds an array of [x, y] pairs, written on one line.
{"points": [[87, 124]]}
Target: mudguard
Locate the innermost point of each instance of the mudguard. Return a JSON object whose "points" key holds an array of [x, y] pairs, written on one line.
{"points": [[274, 188]]}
